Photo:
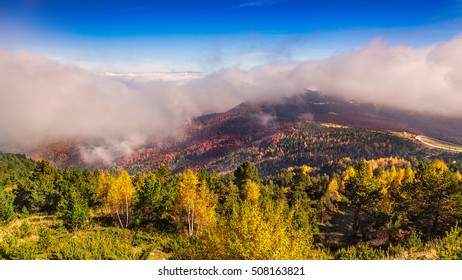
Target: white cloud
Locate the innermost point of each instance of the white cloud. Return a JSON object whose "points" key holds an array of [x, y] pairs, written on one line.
{"points": [[43, 101]]}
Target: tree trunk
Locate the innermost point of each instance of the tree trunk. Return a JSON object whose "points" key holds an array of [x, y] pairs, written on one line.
{"points": [[126, 205], [120, 221]]}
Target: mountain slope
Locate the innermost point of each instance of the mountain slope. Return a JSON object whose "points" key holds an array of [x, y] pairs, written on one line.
{"points": [[296, 131]]}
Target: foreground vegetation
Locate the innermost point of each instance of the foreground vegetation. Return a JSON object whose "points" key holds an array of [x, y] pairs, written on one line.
{"points": [[386, 208]]}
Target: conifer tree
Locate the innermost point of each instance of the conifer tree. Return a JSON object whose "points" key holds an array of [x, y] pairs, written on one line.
{"points": [[73, 209], [246, 171], [7, 213]]}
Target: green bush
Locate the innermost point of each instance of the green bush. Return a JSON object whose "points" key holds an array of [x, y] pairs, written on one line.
{"points": [[45, 238], [451, 247], [360, 252], [414, 242], [12, 249], [113, 244], [25, 230]]}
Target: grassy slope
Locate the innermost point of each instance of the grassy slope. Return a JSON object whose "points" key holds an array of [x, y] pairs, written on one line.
{"points": [[44, 237]]}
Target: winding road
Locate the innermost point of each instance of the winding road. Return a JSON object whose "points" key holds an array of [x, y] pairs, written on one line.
{"points": [[421, 138]]}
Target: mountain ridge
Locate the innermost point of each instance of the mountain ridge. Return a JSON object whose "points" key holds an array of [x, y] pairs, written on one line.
{"points": [[252, 130], [221, 141]]}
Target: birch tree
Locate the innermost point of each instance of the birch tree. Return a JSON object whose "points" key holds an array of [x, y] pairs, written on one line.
{"points": [[195, 204], [117, 196]]}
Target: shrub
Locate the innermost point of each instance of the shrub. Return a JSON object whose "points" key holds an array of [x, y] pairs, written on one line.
{"points": [[114, 244], [11, 249], [451, 247], [360, 252]]}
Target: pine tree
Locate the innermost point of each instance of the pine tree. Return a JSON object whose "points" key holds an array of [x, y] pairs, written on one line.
{"points": [[154, 200], [246, 171], [7, 213], [73, 209], [359, 209]]}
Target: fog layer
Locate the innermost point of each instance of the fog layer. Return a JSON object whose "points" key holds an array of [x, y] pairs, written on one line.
{"points": [[43, 101]]}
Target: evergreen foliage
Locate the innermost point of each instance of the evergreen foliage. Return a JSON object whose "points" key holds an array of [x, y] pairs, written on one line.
{"points": [[246, 171], [73, 210], [155, 197], [7, 213]]}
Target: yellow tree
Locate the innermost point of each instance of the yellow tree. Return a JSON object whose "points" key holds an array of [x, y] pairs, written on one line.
{"points": [[332, 195], [255, 231], [251, 191], [105, 182], [195, 204], [390, 182], [117, 196], [329, 202]]}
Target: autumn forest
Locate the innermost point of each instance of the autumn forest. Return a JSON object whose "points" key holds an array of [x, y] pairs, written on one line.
{"points": [[387, 208]]}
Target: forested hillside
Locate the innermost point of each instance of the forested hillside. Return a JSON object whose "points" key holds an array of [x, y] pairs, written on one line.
{"points": [[305, 129], [271, 149], [383, 208]]}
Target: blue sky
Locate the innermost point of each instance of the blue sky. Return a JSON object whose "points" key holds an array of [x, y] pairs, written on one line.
{"points": [[181, 35]]}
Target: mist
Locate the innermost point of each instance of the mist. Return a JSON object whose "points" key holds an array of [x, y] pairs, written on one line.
{"points": [[44, 101]]}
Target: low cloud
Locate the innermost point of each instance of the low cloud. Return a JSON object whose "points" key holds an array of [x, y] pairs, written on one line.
{"points": [[427, 79], [264, 119], [306, 117], [43, 101], [423, 79], [106, 150]]}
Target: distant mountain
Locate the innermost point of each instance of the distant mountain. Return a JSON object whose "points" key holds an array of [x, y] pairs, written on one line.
{"points": [[307, 129]]}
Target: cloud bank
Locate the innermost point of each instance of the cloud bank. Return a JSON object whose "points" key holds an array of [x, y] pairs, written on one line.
{"points": [[43, 101]]}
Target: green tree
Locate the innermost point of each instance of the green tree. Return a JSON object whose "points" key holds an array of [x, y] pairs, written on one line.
{"points": [[87, 185], [433, 201], [246, 171], [39, 192], [7, 213], [155, 198], [73, 209], [228, 195], [359, 214]]}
